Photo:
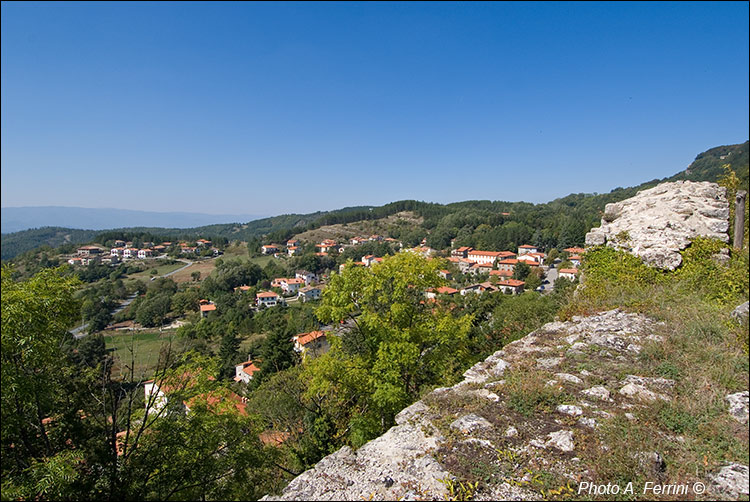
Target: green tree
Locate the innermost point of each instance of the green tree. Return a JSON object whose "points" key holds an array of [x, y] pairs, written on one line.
{"points": [[521, 271], [396, 345]]}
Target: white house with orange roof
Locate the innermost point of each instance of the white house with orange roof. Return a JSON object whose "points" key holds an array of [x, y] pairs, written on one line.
{"points": [[145, 253], [267, 298], [130, 253], [292, 250], [306, 276], [309, 293], [314, 343], [483, 256], [244, 372], [575, 260], [507, 264], [206, 307], [292, 285], [512, 286], [269, 249], [568, 273]]}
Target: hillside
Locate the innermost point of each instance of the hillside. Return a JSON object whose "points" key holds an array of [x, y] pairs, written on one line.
{"points": [[15, 219], [640, 383], [560, 223]]}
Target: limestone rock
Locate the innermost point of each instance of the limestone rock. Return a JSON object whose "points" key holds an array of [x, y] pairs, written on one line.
{"points": [[598, 392], [562, 440], [731, 482], [659, 222], [740, 313], [738, 406], [470, 423]]}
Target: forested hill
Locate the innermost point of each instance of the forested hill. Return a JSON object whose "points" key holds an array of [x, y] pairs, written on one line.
{"points": [[482, 224]]}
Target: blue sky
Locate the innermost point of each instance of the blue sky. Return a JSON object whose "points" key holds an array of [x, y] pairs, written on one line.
{"points": [[269, 108]]}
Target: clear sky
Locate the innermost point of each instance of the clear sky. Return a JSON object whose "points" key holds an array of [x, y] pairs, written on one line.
{"points": [[269, 108]]}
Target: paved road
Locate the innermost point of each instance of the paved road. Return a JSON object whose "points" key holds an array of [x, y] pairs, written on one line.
{"points": [[181, 268], [551, 276], [79, 331]]}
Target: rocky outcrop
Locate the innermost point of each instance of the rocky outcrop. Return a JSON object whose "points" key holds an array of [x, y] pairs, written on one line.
{"points": [[659, 222], [478, 418]]}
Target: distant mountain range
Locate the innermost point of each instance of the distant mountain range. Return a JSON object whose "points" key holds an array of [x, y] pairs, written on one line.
{"points": [[15, 219]]}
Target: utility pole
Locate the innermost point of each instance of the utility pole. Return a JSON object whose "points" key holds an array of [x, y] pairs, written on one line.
{"points": [[739, 218]]}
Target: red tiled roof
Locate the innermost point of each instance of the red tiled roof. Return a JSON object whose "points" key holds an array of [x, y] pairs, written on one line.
{"points": [[206, 307], [527, 246], [508, 261], [568, 270], [266, 294], [511, 282], [305, 338], [484, 253], [445, 290], [504, 273]]}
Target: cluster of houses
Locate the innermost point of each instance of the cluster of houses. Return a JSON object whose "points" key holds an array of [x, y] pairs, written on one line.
{"points": [[85, 255], [324, 247]]}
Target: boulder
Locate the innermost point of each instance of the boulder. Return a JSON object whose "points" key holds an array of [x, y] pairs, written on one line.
{"points": [[659, 222]]}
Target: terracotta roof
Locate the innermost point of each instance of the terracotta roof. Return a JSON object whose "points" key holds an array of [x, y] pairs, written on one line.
{"points": [[504, 273], [463, 248], [511, 282], [527, 246], [242, 288], [445, 290], [249, 367], [206, 307], [508, 261], [568, 270], [305, 338], [266, 294], [575, 250], [484, 253], [506, 253]]}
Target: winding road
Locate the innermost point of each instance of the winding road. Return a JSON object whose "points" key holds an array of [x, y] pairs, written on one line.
{"points": [[79, 331]]}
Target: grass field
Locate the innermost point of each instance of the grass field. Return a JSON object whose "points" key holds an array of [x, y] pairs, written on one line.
{"points": [[141, 349], [160, 270]]}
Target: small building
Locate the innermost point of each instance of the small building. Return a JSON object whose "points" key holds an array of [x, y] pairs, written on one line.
{"points": [[267, 298], [443, 290], [89, 250], [119, 243], [568, 273], [244, 372], [145, 253], [575, 260], [314, 343], [130, 253], [368, 259], [483, 256], [269, 249], [291, 285], [512, 286], [292, 250], [462, 252], [526, 248], [507, 264], [206, 307], [446, 274], [116, 251], [292, 243], [111, 260], [203, 242], [306, 276], [309, 293], [574, 250], [501, 274]]}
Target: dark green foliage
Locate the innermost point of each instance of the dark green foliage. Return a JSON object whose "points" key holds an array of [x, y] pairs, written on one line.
{"points": [[277, 353]]}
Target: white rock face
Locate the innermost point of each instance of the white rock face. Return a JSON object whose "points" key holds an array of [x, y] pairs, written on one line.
{"points": [[738, 406], [731, 482], [562, 440], [659, 222]]}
